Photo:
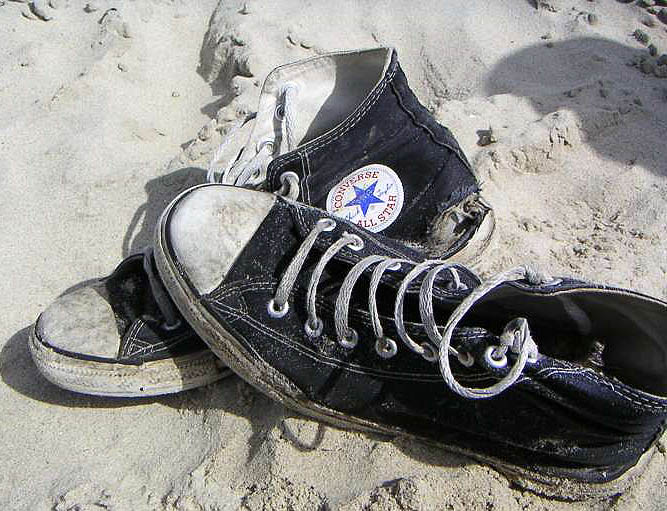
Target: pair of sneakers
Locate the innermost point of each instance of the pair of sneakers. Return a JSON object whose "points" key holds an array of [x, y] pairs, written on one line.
{"points": [[320, 291], [341, 132]]}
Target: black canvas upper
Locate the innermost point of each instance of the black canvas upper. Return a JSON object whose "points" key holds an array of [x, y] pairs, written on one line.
{"points": [[572, 413], [141, 328], [390, 127]]}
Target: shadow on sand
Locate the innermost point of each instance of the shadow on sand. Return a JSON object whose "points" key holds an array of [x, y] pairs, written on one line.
{"points": [[16, 367], [592, 78], [160, 191], [230, 396]]}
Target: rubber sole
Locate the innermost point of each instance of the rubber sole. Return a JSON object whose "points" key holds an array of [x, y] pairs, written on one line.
{"points": [[123, 380], [275, 385]]}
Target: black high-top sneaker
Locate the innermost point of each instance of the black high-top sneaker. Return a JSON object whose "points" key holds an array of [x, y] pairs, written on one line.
{"points": [[560, 384], [344, 132], [341, 131], [121, 336]]}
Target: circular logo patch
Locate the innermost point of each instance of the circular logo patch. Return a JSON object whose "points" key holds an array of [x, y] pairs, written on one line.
{"points": [[371, 197]]}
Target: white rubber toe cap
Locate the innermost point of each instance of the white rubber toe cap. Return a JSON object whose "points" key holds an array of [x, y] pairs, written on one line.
{"points": [[80, 322], [210, 226]]}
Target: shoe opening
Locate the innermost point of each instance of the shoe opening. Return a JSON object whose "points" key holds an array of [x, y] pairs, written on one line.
{"points": [[330, 88], [619, 333]]}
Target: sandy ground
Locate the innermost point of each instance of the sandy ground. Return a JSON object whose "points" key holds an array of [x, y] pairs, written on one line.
{"points": [[105, 115]]}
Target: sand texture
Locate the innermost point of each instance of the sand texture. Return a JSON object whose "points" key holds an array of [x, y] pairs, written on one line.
{"points": [[109, 108]]}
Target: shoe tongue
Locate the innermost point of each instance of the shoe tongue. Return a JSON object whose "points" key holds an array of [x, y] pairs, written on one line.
{"points": [[329, 88], [473, 340], [305, 218]]}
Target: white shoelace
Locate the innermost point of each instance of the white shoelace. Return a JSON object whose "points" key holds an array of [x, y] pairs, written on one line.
{"points": [[515, 338], [250, 169]]}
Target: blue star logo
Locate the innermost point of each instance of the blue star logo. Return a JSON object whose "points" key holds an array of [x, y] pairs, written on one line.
{"points": [[364, 198]]}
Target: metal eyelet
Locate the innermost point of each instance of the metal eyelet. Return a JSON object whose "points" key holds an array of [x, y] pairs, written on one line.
{"points": [[329, 224], [285, 177], [289, 185], [394, 267], [266, 142], [489, 358], [313, 331], [466, 359], [386, 347], [276, 313], [358, 242], [350, 340], [430, 354], [279, 112], [453, 286], [169, 328], [289, 85]]}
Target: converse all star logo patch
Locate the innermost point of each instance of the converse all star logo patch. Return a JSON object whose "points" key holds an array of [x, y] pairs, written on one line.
{"points": [[371, 197]]}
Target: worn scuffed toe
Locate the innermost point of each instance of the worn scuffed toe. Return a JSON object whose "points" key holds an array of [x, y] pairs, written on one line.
{"points": [[207, 228], [112, 338], [81, 322]]}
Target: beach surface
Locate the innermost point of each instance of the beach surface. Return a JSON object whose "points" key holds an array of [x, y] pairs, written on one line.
{"points": [[108, 109]]}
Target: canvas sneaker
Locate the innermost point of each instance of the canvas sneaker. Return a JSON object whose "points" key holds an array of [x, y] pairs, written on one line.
{"points": [[342, 131], [121, 336], [345, 133], [558, 383]]}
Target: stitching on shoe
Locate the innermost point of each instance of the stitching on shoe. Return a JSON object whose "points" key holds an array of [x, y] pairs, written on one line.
{"points": [[228, 289], [129, 347], [306, 176], [137, 346], [624, 392], [237, 315], [257, 325], [413, 117], [345, 126], [151, 348]]}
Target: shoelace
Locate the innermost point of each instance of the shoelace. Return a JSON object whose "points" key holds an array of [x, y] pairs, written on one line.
{"points": [[168, 310], [250, 170], [515, 338]]}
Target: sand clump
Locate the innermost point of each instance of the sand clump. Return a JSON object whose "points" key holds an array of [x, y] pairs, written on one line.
{"points": [[110, 108]]}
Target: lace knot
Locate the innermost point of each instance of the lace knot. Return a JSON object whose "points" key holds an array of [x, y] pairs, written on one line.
{"points": [[516, 338]]}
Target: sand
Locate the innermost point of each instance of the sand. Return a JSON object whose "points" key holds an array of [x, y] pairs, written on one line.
{"points": [[106, 114]]}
